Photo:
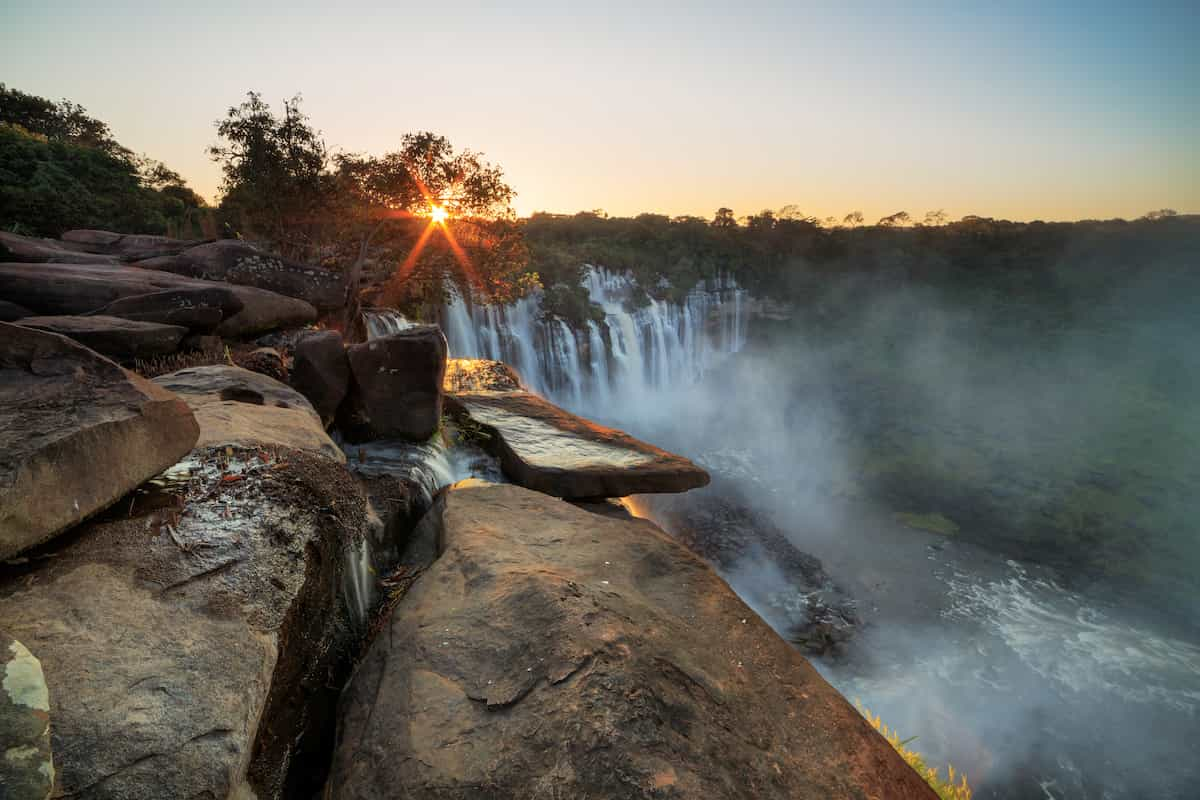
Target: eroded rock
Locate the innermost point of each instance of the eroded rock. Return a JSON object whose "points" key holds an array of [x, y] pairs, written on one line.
{"points": [[543, 447], [396, 386], [26, 761], [76, 433], [115, 337], [554, 652]]}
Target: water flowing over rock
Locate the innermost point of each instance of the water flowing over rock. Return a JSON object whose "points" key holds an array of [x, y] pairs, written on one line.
{"points": [[545, 448], [623, 360], [76, 433], [119, 339], [26, 763], [554, 652], [397, 386]]}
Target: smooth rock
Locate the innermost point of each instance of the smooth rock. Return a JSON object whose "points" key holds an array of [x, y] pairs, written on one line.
{"points": [[200, 310], [77, 432], [265, 311], [235, 406], [321, 371], [10, 312], [241, 263], [185, 646], [128, 246], [543, 447], [117, 338], [14, 247], [396, 386], [26, 762], [553, 652]]}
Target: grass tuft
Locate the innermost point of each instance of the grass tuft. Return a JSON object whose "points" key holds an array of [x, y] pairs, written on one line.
{"points": [[954, 787]]}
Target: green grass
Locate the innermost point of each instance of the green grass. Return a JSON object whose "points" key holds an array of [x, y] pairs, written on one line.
{"points": [[953, 787]]}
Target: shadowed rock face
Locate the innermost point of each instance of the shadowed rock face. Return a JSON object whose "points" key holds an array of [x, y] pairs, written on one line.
{"points": [[199, 310], [321, 372], [554, 652], [76, 433], [115, 337], [543, 447], [396, 387], [129, 246], [14, 247], [26, 764]]}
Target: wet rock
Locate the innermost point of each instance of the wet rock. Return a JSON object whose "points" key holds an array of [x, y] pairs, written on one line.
{"points": [[241, 263], [14, 247], [265, 361], [26, 763], [117, 338], [10, 312], [199, 310], [76, 433], [396, 386], [551, 651], [127, 246], [184, 646], [543, 447], [321, 371], [235, 406]]}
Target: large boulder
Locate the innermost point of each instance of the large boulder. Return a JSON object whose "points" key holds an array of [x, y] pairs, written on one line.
{"points": [[26, 763], [117, 338], [554, 652], [321, 371], [14, 247], [543, 447], [127, 246], [77, 432], [198, 309], [55, 289], [190, 648], [237, 407], [237, 262], [10, 312], [396, 386]]}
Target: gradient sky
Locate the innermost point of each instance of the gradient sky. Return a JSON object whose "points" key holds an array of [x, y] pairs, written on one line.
{"points": [[1017, 110]]}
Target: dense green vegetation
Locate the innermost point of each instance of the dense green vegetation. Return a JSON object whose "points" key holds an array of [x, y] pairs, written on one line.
{"points": [[62, 169]]}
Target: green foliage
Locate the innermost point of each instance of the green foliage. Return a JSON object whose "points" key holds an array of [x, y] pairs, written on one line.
{"points": [[571, 302]]}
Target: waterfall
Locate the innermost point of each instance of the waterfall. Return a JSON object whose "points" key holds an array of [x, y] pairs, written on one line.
{"points": [[634, 353]]}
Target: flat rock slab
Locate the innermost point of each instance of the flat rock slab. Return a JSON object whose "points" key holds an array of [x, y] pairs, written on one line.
{"points": [[235, 406], [115, 337], [26, 761], [76, 433], [14, 247], [552, 652], [128, 246], [181, 645], [543, 447], [198, 309]]}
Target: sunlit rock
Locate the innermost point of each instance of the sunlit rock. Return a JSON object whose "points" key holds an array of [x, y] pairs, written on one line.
{"points": [[26, 762]]}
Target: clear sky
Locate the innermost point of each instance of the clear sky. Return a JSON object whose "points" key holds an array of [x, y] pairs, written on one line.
{"points": [[1021, 110]]}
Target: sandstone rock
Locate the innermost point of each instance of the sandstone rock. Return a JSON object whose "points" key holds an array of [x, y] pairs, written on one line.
{"points": [[241, 263], [117, 338], [129, 246], [82, 288], [543, 447], [554, 652], [26, 763], [9, 312], [235, 406], [14, 247], [396, 386], [321, 371], [480, 375], [265, 361], [76, 433], [185, 646], [197, 309]]}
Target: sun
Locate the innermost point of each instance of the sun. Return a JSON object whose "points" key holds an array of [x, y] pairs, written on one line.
{"points": [[439, 214]]}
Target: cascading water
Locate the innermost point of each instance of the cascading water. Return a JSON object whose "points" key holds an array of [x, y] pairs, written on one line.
{"points": [[617, 362]]}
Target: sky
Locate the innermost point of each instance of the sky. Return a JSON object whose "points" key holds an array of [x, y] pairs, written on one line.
{"points": [[1017, 110]]}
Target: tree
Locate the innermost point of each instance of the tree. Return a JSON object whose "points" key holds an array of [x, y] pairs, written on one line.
{"points": [[894, 220], [936, 218], [853, 218], [724, 218], [1162, 213]]}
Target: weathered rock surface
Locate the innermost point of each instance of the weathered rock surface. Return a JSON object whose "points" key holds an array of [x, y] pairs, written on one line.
{"points": [[14, 247], [200, 310], [321, 371], [183, 645], [26, 763], [480, 375], [265, 361], [543, 447], [235, 406], [396, 385], [240, 263], [56, 289], [117, 338], [554, 652], [10, 312], [128, 246], [76, 433]]}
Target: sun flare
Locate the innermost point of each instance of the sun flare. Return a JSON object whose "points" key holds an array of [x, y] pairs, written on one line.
{"points": [[439, 214]]}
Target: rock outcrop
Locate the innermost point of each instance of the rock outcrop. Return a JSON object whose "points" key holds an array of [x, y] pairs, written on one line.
{"points": [[200, 310], [26, 761], [243, 264], [396, 386], [321, 371], [554, 652], [235, 406], [76, 433], [543, 447], [10, 312], [119, 339], [127, 246], [14, 247]]}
